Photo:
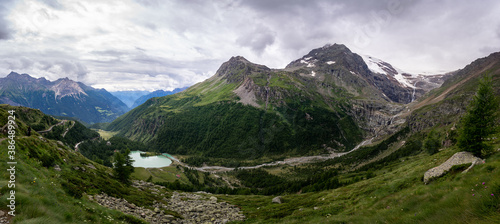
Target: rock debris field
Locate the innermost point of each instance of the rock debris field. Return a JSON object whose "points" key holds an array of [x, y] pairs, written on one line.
{"points": [[194, 208]]}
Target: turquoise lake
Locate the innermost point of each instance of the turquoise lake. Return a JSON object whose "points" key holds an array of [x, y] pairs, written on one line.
{"points": [[151, 161]]}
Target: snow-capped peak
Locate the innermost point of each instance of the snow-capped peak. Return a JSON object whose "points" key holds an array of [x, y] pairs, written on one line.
{"points": [[378, 66]]}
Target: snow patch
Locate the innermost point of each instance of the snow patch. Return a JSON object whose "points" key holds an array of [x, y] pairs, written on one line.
{"points": [[401, 79], [330, 62], [352, 72], [308, 63], [313, 73], [372, 64], [376, 65]]}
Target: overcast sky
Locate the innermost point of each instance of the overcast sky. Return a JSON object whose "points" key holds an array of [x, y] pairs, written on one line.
{"points": [[156, 44]]}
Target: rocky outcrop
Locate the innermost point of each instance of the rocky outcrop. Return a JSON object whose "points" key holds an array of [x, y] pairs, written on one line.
{"points": [[458, 158], [237, 68], [278, 200], [246, 92], [377, 118], [4, 218], [194, 208]]}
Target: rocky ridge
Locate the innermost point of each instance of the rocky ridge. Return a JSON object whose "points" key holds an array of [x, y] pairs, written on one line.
{"points": [[193, 208]]}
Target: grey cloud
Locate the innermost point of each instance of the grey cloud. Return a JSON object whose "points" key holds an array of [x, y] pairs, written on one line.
{"points": [[149, 3], [55, 63], [65, 68], [257, 39], [17, 64], [5, 32], [53, 4], [5, 27]]}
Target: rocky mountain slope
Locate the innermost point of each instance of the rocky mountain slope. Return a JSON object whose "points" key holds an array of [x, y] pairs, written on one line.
{"points": [[63, 97], [445, 105], [328, 100]]}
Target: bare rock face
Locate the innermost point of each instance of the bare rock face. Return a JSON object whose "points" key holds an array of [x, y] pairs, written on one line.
{"points": [[458, 159]]}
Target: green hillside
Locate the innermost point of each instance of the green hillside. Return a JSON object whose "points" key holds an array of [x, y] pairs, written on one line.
{"points": [[51, 178], [394, 193]]}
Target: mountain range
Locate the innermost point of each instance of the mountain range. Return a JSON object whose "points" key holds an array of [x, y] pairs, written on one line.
{"points": [[328, 100], [157, 93], [63, 97]]}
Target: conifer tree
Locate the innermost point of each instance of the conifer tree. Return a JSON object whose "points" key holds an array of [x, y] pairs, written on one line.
{"points": [[123, 166], [480, 121], [432, 143]]}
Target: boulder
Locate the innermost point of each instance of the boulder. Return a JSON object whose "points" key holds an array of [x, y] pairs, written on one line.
{"points": [[57, 168], [278, 200], [91, 166], [458, 158], [213, 199]]}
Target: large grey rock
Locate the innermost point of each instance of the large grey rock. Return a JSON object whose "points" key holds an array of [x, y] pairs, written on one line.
{"points": [[458, 158], [278, 200], [213, 199], [91, 166]]}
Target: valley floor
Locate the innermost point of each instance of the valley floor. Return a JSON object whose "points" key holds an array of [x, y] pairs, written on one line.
{"points": [[289, 161]]}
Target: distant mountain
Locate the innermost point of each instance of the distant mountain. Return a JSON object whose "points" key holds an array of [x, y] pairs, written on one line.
{"points": [[63, 97], [327, 100], [129, 97], [157, 93]]}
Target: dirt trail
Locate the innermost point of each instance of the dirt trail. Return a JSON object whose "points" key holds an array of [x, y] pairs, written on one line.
{"points": [[67, 129], [289, 161], [50, 128], [77, 144]]}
